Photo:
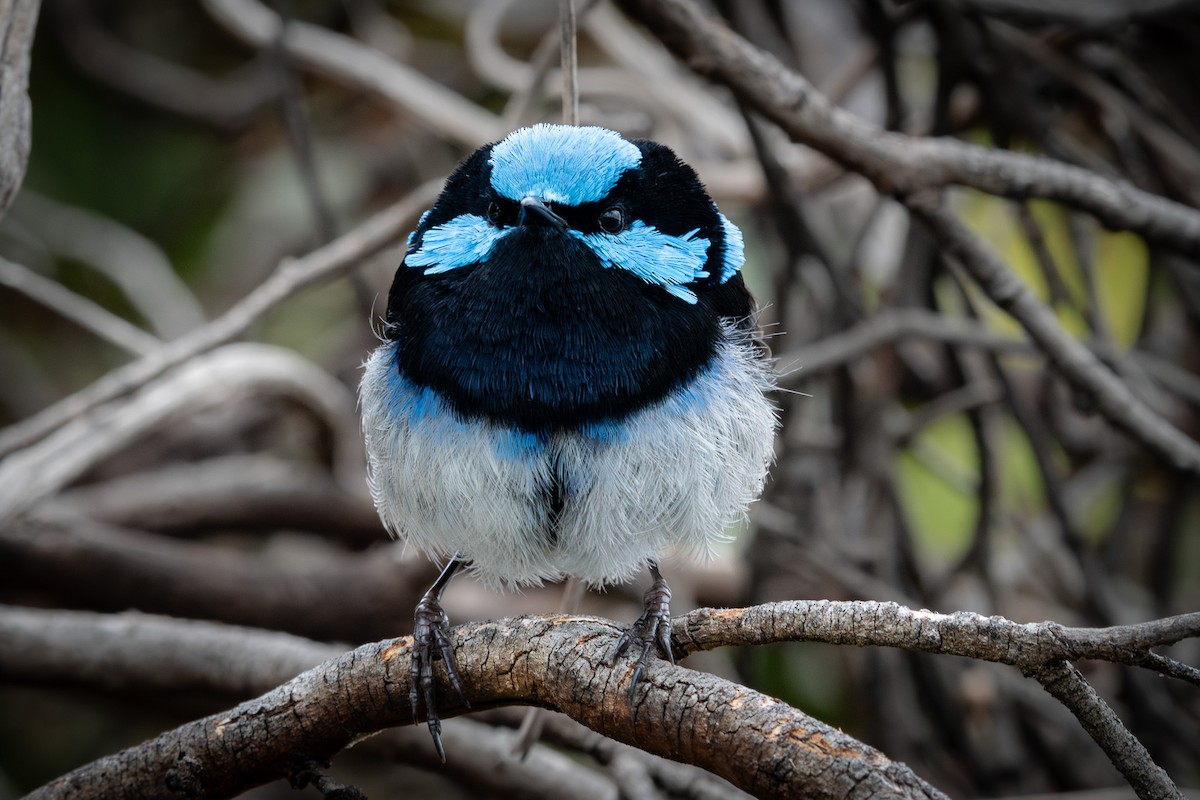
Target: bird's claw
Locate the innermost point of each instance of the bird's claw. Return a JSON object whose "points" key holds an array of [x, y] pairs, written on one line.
{"points": [[431, 640], [652, 630]]}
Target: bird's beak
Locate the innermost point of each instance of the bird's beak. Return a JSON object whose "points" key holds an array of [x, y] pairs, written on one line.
{"points": [[535, 212]]}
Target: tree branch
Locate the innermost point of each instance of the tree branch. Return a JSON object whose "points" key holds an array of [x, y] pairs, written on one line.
{"points": [[203, 382], [756, 742], [135, 652], [1062, 680], [1028, 646], [245, 492], [759, 744], [1041, 650], [147, 652], [351, 62], [85, 313], [1113, 396]]}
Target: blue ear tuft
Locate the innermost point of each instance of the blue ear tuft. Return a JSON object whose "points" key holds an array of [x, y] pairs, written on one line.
{"points": [[412, 237], [735, 249], [465, 240], [561, 163], [655, 257]]}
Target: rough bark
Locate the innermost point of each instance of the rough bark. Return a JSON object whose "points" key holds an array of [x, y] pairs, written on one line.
{"points": [[757, 743]]}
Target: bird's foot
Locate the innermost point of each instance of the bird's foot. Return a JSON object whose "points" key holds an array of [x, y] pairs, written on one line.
{"points": [[652, 629], [431, 639]]}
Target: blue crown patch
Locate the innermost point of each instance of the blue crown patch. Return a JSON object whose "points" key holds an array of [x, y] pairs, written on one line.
{"points": [[561, 163]]}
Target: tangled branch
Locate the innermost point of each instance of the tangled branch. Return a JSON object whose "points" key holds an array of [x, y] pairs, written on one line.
{"points": [[761, 745]]}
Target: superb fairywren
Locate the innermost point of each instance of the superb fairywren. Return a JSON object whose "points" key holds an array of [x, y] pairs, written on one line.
{"points": [[571, 381]]}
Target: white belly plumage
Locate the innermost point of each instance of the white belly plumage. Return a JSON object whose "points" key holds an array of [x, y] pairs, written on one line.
{"points": [[675, 474]]}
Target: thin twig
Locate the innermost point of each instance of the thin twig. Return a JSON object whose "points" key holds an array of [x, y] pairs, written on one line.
{"points": [[77, 308], [570, 62], [137, 265], [42, 469], [1064, 682], [299, 131], [353, 63], [350, 596], [1027, 645]]}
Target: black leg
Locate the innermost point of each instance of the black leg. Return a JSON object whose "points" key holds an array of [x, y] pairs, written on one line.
{"points": [[652, 629], [431, 638]]}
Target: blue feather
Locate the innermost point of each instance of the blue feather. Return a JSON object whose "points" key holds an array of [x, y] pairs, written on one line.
{"points": [[735, 249], [561, 163], [655, 257], [467, 239], [416, 405], [412, 237]]}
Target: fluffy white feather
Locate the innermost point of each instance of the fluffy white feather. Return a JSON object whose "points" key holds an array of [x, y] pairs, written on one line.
{"points": [[676, 475]]}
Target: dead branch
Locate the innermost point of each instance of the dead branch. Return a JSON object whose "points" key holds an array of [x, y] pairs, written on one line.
{"points": [[136, 652], [759, 744], [562, 663]]}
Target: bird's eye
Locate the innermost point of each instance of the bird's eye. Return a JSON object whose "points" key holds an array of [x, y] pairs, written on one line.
{"points": [[612, 220], [494, 212]]}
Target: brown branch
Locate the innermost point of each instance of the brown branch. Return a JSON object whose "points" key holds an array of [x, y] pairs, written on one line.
{"points": [[889, 326], [898, 164], [353, 63], [145, 652], [137, 265], [759, 744], [205, 381], [1028, 646], [561, 662], [1041, 650], [85, 313], [354, 597], [1062, 680], [135, 652]]}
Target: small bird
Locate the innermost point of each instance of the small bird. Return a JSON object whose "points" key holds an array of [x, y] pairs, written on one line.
{"points": [[571, 381]]}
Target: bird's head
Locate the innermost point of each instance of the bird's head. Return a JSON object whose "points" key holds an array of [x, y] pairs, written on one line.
{"points": [[565, 274], [633, 204]]}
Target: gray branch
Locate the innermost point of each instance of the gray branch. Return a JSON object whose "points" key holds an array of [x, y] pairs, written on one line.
{"points": [[559, 662], [756, 742], [18, 18], [898, 164]]}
